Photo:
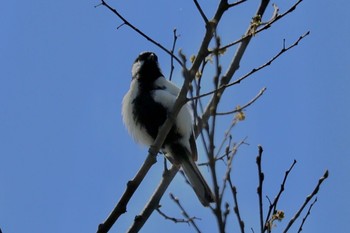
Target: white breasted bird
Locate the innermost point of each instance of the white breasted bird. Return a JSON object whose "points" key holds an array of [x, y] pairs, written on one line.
{"points": [[145, 108]]}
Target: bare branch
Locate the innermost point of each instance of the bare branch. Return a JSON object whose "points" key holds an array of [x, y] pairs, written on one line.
{"points": [[154, 200], [184, 212], [236, 208], [236, 3], [308, 198], [171, 57], [175, 220], [307, 214], [263, 26], [131, 187], [126, 22], [233, 66], [241, 108], [273, 206], [199, 8], [260, 186], [284, 49]]}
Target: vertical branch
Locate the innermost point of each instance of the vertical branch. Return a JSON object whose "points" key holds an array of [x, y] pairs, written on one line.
{"points": [[260, 187], [236, 208], [171, 57], [234, 63], [211, 155]]}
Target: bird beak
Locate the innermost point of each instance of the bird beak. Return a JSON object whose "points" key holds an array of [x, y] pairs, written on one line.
{"points": [[152, 57]]}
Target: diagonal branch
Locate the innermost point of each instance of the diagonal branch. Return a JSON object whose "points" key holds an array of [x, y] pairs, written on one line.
{"points": [[307, 215], [131, 187], [239, 109], [225, 84], [154, 200], [184, 212], [232, 68], [308, 198], [263, 26], [273, 206], [126, 22], [199, 8]]}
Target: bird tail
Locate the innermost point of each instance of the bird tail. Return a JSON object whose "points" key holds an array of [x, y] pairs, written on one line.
{"points": [[199, 185]]}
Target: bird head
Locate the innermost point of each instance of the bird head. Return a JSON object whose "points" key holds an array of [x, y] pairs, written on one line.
{"points": [[146, 67]]}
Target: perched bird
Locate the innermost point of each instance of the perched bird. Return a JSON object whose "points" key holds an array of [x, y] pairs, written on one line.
{"points": [[145, 108]]}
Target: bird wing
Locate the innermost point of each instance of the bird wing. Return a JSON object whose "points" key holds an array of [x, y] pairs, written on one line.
{"points": [[166, 94]]}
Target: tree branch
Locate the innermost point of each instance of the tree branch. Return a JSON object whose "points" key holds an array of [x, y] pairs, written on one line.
{"points": [[199, 8], [260, 187], [307, 214], [175, 36], [263, 26], [273, 206], [239, 109], [220, 90], [153, 203], [126, 22], [131, 187], [233, 66], [308, 198], [184, 212]]}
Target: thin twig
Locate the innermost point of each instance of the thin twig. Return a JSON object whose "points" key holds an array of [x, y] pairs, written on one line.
{"points": [[184, 212], [126, 22], [175, 36], [232, 67], [217, 210], [308, 198], [307, 215], [260, 186], [269, 62], [273, 206], [175, 220], [236, 3], [241, 108], [263, 26], [199, 8], [236, 208]]}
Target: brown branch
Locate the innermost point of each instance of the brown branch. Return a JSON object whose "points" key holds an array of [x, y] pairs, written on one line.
{"points": [[126, 22], [308, 198], [175, 220], [307, 214], [175, 36], [153, 203], [269, 62], [232, 68], [239, 109], [236, 3], [273, 206], [236, 208], [260, 187], [184, 212], [131, 187], [199, 8], [263, 26]]}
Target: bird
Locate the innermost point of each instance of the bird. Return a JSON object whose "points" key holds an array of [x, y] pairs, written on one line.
{"points": [[145, 108]]}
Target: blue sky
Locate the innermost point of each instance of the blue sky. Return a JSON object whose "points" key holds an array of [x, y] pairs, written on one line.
{"points": [[65, 155]]}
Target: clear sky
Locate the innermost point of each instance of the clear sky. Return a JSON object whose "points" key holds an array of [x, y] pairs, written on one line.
{"points": [[65, 155]]}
